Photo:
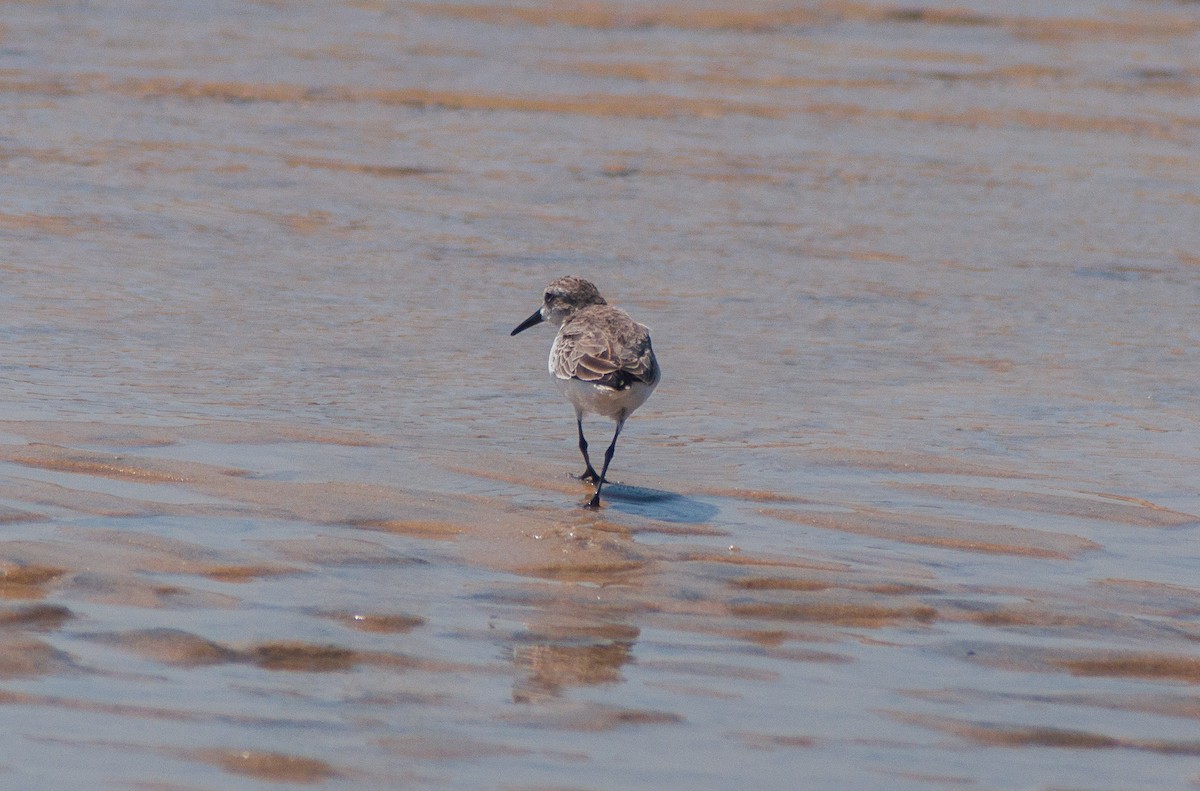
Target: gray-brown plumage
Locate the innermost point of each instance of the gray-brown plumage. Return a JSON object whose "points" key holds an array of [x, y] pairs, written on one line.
{"points": [[603, 345], [601, 359]]}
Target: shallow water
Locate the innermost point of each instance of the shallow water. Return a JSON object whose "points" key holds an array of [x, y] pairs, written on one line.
{"points": [[915, 506]]}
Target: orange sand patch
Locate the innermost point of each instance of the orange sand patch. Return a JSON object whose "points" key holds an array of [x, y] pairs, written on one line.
{"points": [[1108, 508], [943, 532], [270, 766]]}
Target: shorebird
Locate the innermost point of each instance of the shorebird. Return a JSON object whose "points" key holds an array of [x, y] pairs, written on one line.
{"points": [[601, 360]]}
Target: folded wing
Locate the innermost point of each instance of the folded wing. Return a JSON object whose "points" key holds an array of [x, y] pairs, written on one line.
{"points": [[603, 345]]}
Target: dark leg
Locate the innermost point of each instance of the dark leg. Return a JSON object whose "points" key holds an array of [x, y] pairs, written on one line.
{"points": [[589, 474], [608, 454]]}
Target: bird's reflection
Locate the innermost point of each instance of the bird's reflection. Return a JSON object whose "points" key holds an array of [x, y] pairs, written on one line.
{"points": [[550, 661]]}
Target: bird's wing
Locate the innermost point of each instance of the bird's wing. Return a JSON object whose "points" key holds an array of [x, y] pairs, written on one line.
{"points": [[603, 345]]}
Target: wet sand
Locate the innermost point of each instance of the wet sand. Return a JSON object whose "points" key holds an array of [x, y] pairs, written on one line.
{"points": [[915, 507]]}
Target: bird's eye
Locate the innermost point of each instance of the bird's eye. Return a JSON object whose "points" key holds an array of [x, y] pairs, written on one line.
{"points": [[549, 296]]}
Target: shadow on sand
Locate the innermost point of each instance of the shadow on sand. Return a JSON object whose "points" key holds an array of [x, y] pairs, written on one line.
{"points": [[657, 504]]}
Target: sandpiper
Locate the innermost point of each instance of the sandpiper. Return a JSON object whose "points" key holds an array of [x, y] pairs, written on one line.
{"points": [[601, 360]]}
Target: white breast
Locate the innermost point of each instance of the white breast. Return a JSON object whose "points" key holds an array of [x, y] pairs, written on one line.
{"points": [[596, 399]]}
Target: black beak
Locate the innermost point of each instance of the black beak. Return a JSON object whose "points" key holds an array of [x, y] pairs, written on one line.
{"points": [[536, 318]]}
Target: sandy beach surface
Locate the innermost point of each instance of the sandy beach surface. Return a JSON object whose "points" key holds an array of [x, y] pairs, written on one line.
{"points": [[915, 507]]}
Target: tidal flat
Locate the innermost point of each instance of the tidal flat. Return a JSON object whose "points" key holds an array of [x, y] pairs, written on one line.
{"points": [[916, 505]]}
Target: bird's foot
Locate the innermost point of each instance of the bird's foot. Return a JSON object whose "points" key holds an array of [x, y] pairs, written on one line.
{"points": [[588, 476], [594, 502]]}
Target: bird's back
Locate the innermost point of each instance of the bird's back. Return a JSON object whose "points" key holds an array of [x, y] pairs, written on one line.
{"points": [[604, 346]]}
